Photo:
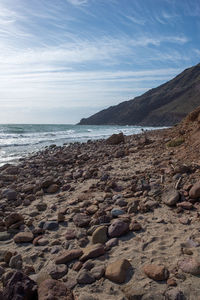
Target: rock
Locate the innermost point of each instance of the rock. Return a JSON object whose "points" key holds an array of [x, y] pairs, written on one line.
{"points": [[170, 197], [115, 139], [13, 219], [133, 206], [118, 270], [68, 256], [92, 252], [174, 294], [77, 266], [42, 242], [41, 206], [70, 234], [194, 192], [118, 228], [16, 262], [57, 271], [135, 226], [10, 194], [81, 220], [171, 282], [55, 290], [7, 256], [97, 272], [4, 236], [1, 271], [115, 212], [84, 277], [190, 265], [156, 272], [23, 237], [20, 287], [60, 217], [88, 265], [92, 209], [54, 188], [185, 205], [111, 243], [47, 182], [50, 225], [100, 235]]}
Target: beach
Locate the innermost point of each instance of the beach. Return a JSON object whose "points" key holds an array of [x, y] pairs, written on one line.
{"points": [[115, 218]]}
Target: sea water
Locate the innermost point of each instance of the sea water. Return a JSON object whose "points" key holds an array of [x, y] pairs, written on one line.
{"points": [[17, 141]]}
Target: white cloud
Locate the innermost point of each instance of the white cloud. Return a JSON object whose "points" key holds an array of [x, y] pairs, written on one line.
{"points": [[78, 2]]}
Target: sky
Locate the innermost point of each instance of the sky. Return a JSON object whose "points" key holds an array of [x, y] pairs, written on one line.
{"points": [[63, 60]]}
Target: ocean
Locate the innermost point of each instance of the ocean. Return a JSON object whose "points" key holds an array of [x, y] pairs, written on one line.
{"points": [[18, 141]]}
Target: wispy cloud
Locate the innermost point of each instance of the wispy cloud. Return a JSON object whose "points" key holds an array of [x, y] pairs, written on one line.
{"points": [[78, 2]]}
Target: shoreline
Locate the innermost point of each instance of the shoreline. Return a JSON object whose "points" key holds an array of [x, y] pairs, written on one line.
{"points": [[66, 200]]}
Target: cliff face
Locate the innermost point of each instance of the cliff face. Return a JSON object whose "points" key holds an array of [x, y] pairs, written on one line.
{"points": [[165, 105]]}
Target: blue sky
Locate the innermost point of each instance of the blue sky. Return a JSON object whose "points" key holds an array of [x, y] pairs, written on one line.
{"points": [[62, 60]]}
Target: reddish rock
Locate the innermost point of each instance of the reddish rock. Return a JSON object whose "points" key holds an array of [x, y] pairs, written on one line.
{"points": [[118, 228], [194, 192], [77, 266], [53, 289], [171, 282], [117, 271], [92, 252], [185, 205], [81, 220], [156, 272], [14, 218], [20, 287], [135, 226], [35, 241], [190, 265], [23, 237], [68, 256], [70, 234], [54, 188]]}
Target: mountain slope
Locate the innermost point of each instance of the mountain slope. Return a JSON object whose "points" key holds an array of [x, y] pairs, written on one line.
{"points": [[162, 106]]}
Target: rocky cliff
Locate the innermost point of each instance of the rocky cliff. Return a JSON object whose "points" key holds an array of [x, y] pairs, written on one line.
{"points": [[165, 105]]}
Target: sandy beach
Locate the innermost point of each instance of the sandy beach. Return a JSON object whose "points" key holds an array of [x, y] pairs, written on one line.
{"points": [[108, 219]]}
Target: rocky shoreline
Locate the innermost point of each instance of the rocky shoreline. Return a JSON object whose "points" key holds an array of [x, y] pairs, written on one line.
{"points": [[116, 218]]}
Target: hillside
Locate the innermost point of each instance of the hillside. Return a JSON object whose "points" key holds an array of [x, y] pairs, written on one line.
{"points": [[165, 105]]}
